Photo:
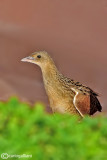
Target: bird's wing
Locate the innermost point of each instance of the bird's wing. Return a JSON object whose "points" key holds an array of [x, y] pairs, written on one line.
{"points": [[81, 102]]}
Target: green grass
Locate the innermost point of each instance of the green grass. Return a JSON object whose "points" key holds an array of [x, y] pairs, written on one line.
{"points": [[26, 130]]}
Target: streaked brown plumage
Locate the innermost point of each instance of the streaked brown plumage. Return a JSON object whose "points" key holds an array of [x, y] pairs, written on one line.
{"points": [[65, 95]]}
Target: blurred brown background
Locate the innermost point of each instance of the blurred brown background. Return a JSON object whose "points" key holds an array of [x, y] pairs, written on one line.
{"points": [[74, 32]]}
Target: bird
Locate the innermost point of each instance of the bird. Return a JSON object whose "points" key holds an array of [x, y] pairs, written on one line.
{"points": [[65, 95]]}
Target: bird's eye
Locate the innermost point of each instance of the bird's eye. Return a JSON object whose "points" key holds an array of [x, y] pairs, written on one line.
{"points": [[39, 56]]}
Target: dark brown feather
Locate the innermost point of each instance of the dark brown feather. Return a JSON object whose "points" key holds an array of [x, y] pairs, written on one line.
{"points": [[94, 104]]}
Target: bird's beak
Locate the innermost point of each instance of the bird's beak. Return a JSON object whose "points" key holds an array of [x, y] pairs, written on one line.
{"points": [[28, 59]]}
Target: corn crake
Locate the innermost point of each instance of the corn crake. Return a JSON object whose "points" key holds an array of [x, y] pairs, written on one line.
{"points": [[65, 95]]}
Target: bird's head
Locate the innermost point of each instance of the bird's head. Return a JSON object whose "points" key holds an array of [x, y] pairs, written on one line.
{"points": [[41, 58]]}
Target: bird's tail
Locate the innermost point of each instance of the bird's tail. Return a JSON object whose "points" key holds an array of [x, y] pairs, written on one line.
{"points": [[94, 104]]}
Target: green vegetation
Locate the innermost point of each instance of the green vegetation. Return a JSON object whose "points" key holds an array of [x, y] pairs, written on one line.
{"points": [[30, 130]]}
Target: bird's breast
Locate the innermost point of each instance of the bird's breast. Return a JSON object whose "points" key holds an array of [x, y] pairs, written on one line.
{"points": [[59, 99]]}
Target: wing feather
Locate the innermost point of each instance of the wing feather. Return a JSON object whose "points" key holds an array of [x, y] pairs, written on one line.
{"points": [[86, 104], [82, 103]]}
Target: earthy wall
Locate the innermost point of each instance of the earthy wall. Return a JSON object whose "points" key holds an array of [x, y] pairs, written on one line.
{"points": [[74, 32]]}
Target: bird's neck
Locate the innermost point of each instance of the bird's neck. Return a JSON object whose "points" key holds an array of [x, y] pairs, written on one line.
{"points": [[50, 73], [51, 78]]}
